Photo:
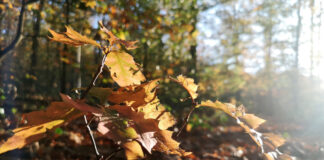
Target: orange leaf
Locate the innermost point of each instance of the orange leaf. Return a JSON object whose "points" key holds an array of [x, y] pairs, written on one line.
{"points": [[115, 40], [167, 144], [72, 37], [135, 96], [133, 150], [38, 123]]}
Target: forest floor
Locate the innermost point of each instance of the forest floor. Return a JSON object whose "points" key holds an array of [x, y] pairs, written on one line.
{"points": [[220, 143]]}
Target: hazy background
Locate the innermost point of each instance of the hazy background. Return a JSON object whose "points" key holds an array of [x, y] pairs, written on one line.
{"points": [[264, 54]]}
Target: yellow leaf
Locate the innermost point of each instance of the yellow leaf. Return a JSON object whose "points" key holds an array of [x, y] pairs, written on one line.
{"points": [[28, 135], [133, 150], [251, 120], [91, 4], [123, 69], [189, 85], [38, 123]]}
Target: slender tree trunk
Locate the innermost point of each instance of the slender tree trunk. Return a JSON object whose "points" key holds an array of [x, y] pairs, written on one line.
{"points": [[319, 37], [311, 6], [36, 28], [298, 29], [64, 65], [295, 76]]}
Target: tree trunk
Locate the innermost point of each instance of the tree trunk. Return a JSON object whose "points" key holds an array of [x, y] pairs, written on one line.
{"points": [[311, 7], [64, 65], [35, 45]]}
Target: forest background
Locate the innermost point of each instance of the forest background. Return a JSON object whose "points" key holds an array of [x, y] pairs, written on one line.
{"points": [[266, 55]]}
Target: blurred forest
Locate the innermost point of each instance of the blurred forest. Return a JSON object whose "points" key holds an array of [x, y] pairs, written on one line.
{"points": [[266, 55]]}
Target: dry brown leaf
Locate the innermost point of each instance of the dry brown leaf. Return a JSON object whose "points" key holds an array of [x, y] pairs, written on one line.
{"points": [[251, 120], [123, 69], [166, 144], [72, 37], [189, 85], [145, 128], [38, 123], [135, 95], [115, 40], [274, 139], [80, 105]]}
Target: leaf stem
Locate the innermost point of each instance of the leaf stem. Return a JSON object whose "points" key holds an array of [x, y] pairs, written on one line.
{"points": [[94, 79], [186, 120]]}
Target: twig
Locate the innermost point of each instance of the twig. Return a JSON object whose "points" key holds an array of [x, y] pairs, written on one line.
{"points": [[194, 104], [186, 120], [99, 157], [84, 94], [94, 79]]}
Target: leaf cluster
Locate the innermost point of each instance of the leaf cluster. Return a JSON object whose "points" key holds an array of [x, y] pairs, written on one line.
{"points": [[134, 117]]}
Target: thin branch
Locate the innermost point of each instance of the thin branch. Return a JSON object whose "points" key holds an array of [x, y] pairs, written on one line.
{"points": [[19, 29], [94, 79], [186, 120], [194, 104], [84, 94], [99, 157]]}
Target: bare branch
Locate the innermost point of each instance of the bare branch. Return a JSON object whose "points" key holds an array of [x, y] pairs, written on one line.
{"points": [[18, 33]]}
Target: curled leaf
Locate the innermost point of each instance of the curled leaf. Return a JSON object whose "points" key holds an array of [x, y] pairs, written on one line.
{"points": [[115, 40], [72, 37], [189, 85]]}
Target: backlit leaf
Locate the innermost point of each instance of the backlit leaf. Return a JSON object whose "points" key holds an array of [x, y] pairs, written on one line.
{"points": [[38, 123], [72, 37], [133, 150], [189, 85], [115, 40], [123, 69], [251, 120], [135, 96]]}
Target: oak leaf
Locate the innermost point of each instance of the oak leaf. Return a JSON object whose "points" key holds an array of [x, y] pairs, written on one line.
{"points": [[189, 85], [39, 123], [80, 105], [145, 128], [115, 40], [72, 37], [133, 150], [135, 96], [166, 144], [123, 69], [155, 110], [251, 120]]}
